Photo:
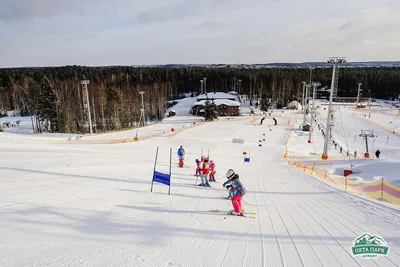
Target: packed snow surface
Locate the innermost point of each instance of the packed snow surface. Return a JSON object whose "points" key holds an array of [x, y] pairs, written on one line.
{"points": [[69, 204]]}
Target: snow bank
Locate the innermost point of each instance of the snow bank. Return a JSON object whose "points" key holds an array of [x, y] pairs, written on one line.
{"points": [[182, 108], [370, 172]]}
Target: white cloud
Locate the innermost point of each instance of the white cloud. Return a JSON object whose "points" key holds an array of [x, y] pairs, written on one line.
{"points": [[126, 32]]}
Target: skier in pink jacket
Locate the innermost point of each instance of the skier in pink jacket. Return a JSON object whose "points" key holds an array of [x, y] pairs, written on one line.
{"points": [[212, 171]]}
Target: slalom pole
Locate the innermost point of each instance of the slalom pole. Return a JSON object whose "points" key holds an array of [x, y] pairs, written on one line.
{"points": [[170, 166], [155, 165]]}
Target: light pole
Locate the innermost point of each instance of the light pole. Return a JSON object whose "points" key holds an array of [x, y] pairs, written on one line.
{"points": [[205, 85], [358, 94], [305, 104], [315, 85], [302, 96], [85, 83], [335, 61], [234, 84], [311, 69], [201, 86], [142, 109]]}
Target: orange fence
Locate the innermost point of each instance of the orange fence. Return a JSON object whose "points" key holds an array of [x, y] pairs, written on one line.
{"points": [[391, 130], [379, 190]]}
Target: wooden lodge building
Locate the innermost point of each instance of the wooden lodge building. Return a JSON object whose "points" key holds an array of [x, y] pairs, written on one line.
{"points": [[226, 104]]}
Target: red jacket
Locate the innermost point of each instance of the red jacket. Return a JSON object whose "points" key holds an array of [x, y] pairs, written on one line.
{"points": [[205, 168]]}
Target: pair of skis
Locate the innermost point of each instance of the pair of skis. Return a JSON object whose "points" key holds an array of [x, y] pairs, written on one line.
{"points": [[243, 214]]}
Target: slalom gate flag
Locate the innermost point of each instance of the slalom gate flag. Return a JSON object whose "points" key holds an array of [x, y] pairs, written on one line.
{"points": [[162, 178], [246, 159]]}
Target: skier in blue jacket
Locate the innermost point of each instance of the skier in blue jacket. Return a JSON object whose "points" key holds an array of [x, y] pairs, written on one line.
{"points": [[181, 152], [237, 191], [181, 156]]}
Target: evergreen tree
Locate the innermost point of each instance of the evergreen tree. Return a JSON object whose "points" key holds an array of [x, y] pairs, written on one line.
{"points": [[47, 106], [264, 105], [210, 110]]}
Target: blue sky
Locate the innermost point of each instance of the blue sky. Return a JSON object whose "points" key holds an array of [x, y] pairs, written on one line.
{"points": [[128, 32]]}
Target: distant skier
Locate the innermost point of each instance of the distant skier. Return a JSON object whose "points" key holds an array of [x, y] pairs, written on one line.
{"points": [[377, 153], [237, 191], [355, 154], [212, 171], [205, 171], [181, 156]]}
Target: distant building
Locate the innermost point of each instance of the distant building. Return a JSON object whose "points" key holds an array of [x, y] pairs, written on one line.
{"points": [[225, 107]]}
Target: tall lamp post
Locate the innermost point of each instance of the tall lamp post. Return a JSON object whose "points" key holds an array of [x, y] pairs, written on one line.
{"points": [[311, 69], [142, 109], [85, 83], [303, 103], [358, 94], [201, 86], [334, 61], [205, 85], [315, 85]]}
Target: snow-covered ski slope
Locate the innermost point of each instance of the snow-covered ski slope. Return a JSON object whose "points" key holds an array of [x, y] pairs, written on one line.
{"points": [[90, 205]]}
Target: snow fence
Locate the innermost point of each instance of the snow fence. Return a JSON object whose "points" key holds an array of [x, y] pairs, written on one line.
{"points": [[380, 190]]}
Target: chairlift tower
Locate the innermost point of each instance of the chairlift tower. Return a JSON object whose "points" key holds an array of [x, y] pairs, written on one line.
{"points": [[358, 95], [85, 83], [365, 134], [143, 121], [315, 85], [335, 61]]}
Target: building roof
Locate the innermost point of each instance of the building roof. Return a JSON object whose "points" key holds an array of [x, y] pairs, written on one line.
{"points": [[219, 102], [216, 95]]}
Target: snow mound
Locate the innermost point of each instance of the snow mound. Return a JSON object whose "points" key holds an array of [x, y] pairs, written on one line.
{"points": [[182, 108], [294, 105], [374, 171]]}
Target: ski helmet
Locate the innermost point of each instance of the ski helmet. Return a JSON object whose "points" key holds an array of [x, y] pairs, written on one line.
{"points": [[230, 173]]}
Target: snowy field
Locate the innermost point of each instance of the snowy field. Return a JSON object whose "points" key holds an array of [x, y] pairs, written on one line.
{"points": [[90, 205], [348, 123]]}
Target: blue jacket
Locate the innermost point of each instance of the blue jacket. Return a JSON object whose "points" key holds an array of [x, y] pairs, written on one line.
{"points": [[237, 188], [181, 152]]}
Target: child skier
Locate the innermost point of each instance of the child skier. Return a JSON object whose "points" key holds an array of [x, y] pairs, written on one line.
{"points": [[237, 191], [181, 156], [212, 171], [198, 168], [205, 171]]}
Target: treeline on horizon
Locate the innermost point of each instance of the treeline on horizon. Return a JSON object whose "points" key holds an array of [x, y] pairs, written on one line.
{"points": [[114, 91]]}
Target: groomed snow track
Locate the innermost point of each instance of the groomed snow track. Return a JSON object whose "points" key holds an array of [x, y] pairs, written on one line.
{"points": [[91, 206]]}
